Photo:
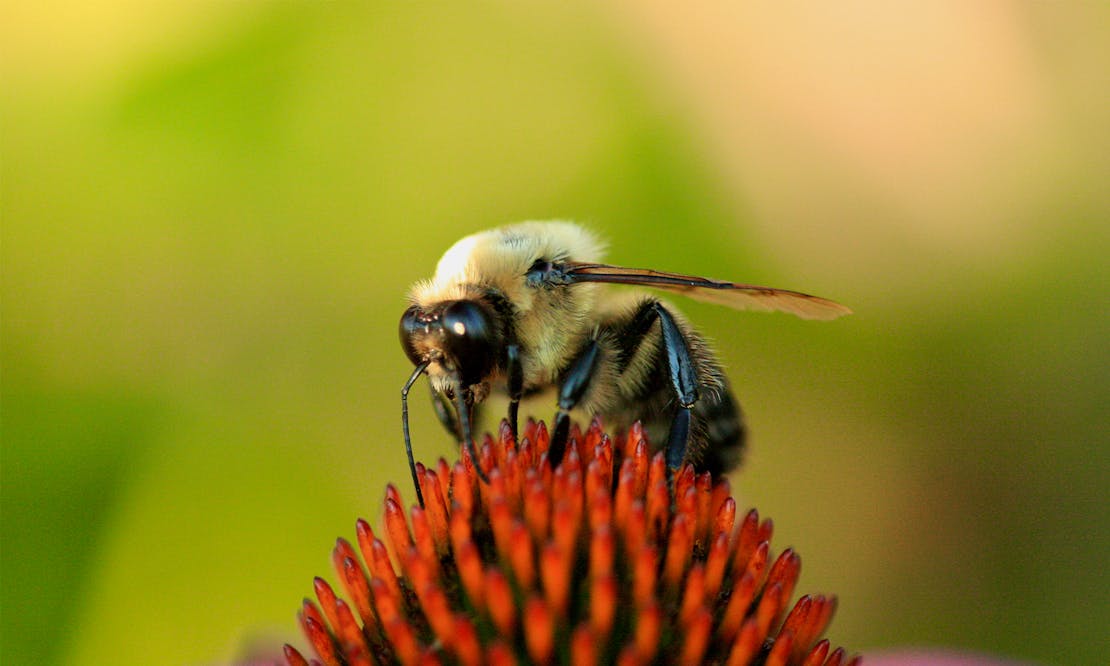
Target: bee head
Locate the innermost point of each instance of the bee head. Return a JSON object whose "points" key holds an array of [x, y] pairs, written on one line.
{"points": [[458, 335]]}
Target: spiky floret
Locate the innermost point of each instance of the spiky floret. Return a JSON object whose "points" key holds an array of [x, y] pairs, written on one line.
{"points": [[602, 560]]}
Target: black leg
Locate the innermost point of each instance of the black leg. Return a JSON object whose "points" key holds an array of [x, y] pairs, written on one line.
{"points": [[684, 380], [468, 437], [405, 427], [575, 382], [516, 385]]}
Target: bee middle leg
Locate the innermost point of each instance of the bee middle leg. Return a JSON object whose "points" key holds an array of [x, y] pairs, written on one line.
{"points": [[573, 387]]}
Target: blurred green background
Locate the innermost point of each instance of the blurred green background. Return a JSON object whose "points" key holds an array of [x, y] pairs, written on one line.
{"points": [[212, 212]]}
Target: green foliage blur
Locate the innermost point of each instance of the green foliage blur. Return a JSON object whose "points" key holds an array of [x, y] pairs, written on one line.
{"points": [[212, 212]]}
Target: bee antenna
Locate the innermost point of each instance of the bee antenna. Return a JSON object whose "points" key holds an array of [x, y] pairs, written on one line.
{"points": [[468, 436], [405, 425]]}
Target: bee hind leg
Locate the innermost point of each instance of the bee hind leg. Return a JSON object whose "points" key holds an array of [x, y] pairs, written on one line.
{"points": [[684, 380]]}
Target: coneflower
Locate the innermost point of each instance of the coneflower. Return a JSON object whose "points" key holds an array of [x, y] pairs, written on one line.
{"points": [[602, 560]]}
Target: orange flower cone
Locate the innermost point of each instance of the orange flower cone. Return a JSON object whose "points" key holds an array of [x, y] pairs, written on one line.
{"points": [[602, 560]]}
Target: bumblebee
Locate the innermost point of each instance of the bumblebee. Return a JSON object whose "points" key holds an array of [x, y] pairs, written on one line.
{"points": [[521, 309]]}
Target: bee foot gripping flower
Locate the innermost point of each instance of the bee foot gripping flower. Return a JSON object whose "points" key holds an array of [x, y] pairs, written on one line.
{"points": [[602, 560]]}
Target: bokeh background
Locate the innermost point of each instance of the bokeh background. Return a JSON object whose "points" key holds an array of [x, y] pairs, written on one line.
{"points": [[212, 211]]}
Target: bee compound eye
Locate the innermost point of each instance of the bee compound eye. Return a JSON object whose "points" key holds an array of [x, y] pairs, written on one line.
{"points": [[411, 327], [469, 339]]}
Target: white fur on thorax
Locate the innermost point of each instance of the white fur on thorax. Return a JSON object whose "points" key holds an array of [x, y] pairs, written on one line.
{"points": [[549, 327]]}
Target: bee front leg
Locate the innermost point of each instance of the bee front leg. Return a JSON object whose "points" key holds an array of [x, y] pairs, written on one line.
{"points": [[574, 385], [516, 384]]}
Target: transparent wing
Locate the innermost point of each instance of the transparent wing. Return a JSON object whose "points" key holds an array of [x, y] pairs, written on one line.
{"points": [[730, 294]]}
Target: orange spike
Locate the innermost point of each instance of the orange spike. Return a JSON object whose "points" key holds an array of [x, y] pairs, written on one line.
{"points": [[855, 661], [469, 565], [594, 433], [641, 466], [634, 439], [462, 490], [292, 657], [747, 644], [347, 629], [443, 477], [537, 507], [644, 576], [648, 630], [657, 472], [683, 481], [541, 439], [679, 546], [600, 508], [438, 612], [780, 650], [396, 527], [725, 517], [743, 591], [626, 492], [403, 641], [499, 654], [358, 588], [382, 568], [635, 528], [798, 618], [521, 556], [564, 528], [603, 454], [836, 658], [747, 539], [423, 539], [392, 493], [467, 647], [500, 603], [603, 605], [501, 522], [539, 629], [459, 526], [703, 483], [715, 562], [574, 439], [686, 502], [602, 551], [629, 657], [327, 599], [696, 637], [693, 593], [321, 642], [583, 650], [311, 610], [817, 655], [766, 530], [527, 453], [784, 572], [770, 604], [389, 608], [435, 510], [555, 572], [419, 572], [658, 510]]}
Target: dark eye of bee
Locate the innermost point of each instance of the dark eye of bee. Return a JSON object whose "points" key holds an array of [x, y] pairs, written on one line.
{"points": [[411, 327], [469, 339]]}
